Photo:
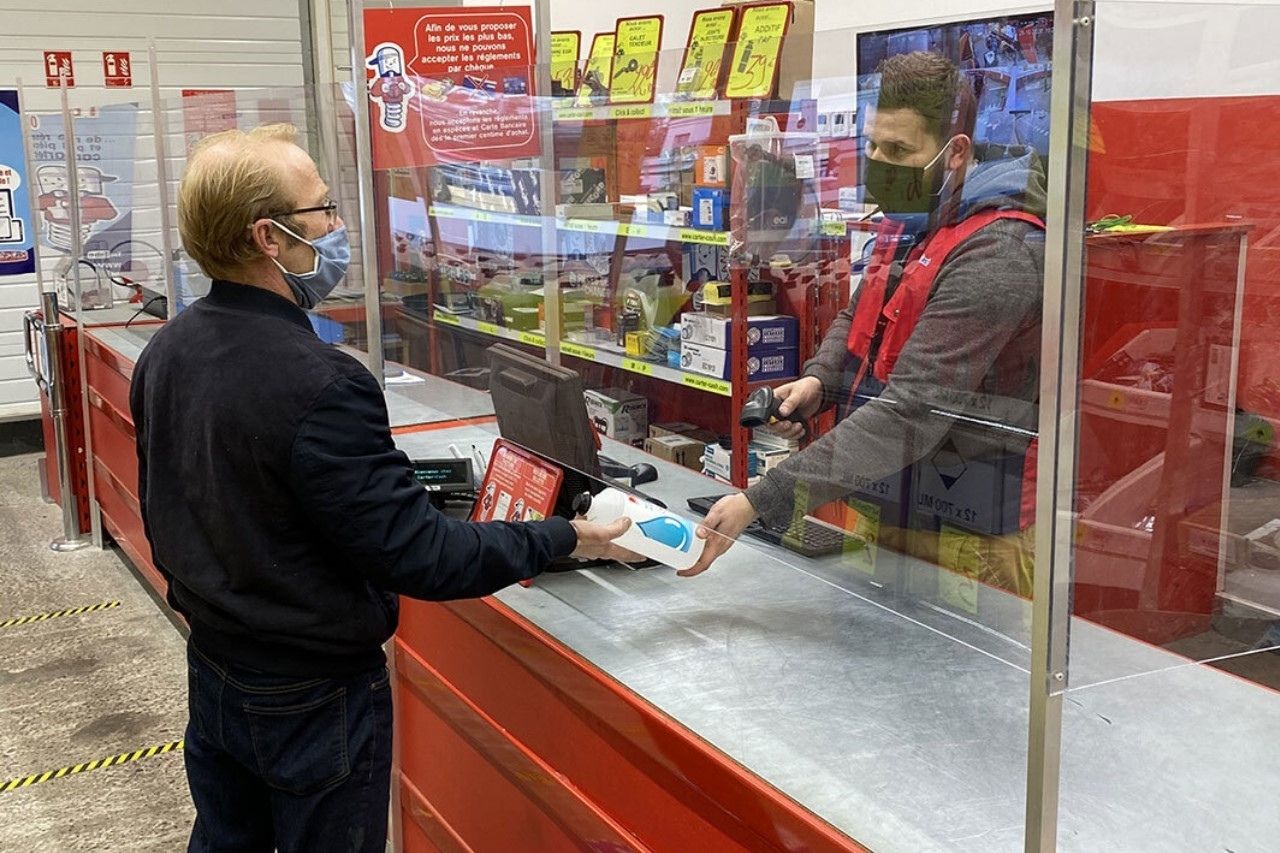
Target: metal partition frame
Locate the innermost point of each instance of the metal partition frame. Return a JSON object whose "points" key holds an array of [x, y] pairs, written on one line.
{"points": [[1059, 403]]}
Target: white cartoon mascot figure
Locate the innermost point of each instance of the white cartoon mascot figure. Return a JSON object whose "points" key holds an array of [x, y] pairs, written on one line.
{"points": [[389, 86]]}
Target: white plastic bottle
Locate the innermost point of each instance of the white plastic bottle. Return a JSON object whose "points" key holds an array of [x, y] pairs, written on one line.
{"points": [[654, 532]]}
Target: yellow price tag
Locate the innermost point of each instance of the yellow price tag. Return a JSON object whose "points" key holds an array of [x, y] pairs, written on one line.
{"points": [[644, 368], [707, 383], [447, 318], [577, 350], [489, 329], [533, 339], [635, 62], [599, 70], [755, 57], [565, 46], [704, 57]]}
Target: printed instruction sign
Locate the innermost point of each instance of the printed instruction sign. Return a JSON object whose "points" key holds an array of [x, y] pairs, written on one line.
{"points": [[207, 111], [704, 55], [637, 42], [450, 85], [518, 486], [17, 254], [754, 69]]}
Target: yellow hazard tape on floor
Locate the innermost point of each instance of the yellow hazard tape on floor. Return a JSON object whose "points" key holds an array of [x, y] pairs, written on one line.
{"points": [[73, 769], [56, 614]]}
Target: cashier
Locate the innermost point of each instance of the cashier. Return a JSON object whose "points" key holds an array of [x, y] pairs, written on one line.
{"points": [[939, 347]]}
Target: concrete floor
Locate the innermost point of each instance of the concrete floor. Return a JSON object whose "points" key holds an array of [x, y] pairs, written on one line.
{"points": [[81, 688]]}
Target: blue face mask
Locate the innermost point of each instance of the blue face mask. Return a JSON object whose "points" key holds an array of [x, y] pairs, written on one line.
{"points": [[333, 255]]}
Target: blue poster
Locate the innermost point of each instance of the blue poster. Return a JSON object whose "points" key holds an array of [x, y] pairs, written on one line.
{"points": [[16, 251], [106, 140]]}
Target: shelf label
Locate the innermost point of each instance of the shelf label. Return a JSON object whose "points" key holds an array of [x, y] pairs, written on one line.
{"points": [[489, 329], [644, 368], [641, 111], [708, 383], [532, 339], [710, 238], [575, 114], [692, 110], [577, 350], [447, 318], [584, 225]]}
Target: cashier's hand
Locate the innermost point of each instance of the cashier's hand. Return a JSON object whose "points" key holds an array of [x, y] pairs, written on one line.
{"points": [[723, 524], [803, 396], [595, 541]]}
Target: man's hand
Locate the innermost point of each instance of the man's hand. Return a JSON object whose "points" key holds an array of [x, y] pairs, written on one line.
{"points": [[595, 541], [803, 396], [724, 523]]}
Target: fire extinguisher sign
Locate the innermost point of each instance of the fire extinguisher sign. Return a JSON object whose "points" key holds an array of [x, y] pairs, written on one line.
{"points": [[117, 69], [57, 64]]}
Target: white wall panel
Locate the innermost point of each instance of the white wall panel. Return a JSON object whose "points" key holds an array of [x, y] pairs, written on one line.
{"points": [[227, 44]]}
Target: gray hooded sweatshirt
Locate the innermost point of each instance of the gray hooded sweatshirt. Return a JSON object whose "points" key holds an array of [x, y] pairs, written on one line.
{"points": [[971, 363]]}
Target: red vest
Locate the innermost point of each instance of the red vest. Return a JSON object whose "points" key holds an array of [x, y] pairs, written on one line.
{"points": [[895, 320]]}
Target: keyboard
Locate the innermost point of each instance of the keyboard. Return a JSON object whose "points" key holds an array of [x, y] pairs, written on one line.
{"points": [[809, 538]]}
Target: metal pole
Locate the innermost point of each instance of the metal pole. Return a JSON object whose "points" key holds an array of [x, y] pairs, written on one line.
{"points": [[546, 186], [325, 83], [1059, 406], [51, 328], [77, 252], [364, 193], [160, 131]]}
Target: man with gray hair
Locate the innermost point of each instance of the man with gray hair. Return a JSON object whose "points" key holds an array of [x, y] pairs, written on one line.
{"points": [[286, 521]]}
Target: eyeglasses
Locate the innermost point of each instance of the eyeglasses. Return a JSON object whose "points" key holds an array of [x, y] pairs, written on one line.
{"points": [[329, 208]]}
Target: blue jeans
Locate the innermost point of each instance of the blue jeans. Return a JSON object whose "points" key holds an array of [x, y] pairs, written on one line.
{"points": [[285, 763]]}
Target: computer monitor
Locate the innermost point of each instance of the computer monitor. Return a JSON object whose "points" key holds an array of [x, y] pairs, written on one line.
{"points": [[541, 407]]}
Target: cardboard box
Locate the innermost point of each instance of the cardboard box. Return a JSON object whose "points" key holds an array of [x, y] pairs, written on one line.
{"points": [[688, 430], [711, 168], [795, 64], [705, 263], [619, 414], [717, 461], [775, 331], [583, 181], [766, 365], [710, 208], [679, 449]]}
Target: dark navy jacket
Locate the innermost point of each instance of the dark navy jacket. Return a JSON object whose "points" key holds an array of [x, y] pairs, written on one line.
{"points": [[276, 504]]}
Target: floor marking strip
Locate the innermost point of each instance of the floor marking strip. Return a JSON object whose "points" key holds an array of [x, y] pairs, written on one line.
{"points": [[72, 769], [57, 614]]}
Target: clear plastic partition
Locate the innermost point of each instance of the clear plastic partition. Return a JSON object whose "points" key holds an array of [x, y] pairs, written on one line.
{"points": [[1176, 473], [626, 271], [1174, 655], [196, 114], [98, 227]]}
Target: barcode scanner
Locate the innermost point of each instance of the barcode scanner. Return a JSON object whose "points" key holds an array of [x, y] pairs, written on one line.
{"points": [[762, 407]]}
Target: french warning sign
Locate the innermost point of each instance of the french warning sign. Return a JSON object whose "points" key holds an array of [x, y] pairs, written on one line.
{"points": [[450, 85], [117, 69], [57, 65]]}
